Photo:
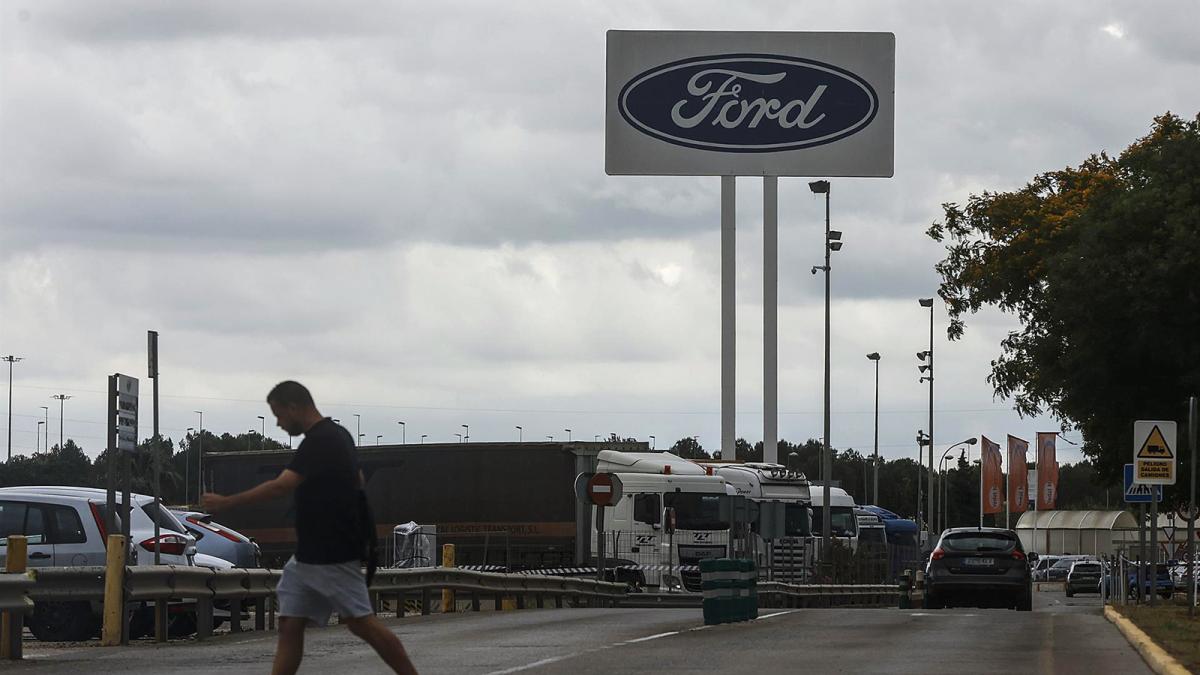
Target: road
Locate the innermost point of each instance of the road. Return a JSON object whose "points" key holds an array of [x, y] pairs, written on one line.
{"points": [[1061, 636]]}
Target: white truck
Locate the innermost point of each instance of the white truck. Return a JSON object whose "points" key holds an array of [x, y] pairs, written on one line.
{"points": [[784, 559], [843, 522], [659, 488]]}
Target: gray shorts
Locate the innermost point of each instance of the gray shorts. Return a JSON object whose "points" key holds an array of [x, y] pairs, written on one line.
{"points": [[314, 592]]}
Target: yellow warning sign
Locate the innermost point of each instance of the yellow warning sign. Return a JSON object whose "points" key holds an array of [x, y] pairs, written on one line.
{"points": [[1155, 446]]}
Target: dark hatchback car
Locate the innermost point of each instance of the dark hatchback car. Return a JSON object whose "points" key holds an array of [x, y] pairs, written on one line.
{"points": [[978, 567]]}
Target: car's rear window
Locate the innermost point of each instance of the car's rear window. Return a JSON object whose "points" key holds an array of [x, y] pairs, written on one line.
{"points": [[1064, 563], [978, 541], [1086, 567]]}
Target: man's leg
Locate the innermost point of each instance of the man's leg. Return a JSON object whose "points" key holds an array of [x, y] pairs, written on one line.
{"points": [[383, 641], [290, 648]]}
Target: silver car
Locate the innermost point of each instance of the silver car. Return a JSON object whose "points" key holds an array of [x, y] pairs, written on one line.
{"points": [[215, 539], [65, 527]]}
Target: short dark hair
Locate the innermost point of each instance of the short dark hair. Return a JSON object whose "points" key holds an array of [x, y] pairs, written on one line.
{"points": [[290, 392]]}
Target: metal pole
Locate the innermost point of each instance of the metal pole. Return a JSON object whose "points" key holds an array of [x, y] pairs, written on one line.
{"points": [[826, 520], [930, 497], [11, 360], [110, 520], [61, 401], [728, 313], [1191, 531], [980, 482], [770, 319], [152, 353], [875, 488], [200, 456], [1141, 558], [1153, 568]]}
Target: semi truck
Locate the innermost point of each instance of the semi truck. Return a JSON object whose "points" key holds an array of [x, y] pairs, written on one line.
{"points": [[504, 505], [788, 558]]}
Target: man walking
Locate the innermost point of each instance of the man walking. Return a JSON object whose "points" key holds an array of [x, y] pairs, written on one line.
{"points": [[324, 575]]}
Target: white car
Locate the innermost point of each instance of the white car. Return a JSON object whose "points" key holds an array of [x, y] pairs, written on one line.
{"points": [[65, 527]]}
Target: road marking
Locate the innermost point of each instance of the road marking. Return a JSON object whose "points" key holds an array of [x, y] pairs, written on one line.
{"points": [[767, 616], [535, 664], [649, 637]]}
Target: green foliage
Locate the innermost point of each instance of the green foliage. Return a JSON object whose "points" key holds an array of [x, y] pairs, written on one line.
{"points": [[689, 448], [1098, 262], [58, 466]]}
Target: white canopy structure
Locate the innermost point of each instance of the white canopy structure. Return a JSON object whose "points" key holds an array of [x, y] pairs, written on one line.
{"points": [[1077, 532]]}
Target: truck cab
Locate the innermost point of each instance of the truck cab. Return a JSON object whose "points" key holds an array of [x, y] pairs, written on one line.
{"points": [[668, 519], [843, 522], [781, 559]]}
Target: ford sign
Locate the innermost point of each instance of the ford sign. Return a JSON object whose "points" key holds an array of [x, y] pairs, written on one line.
{"points": [[748, 103]]}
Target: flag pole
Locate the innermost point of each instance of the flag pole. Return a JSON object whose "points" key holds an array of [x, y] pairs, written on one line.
{"points": [[982, 449]]}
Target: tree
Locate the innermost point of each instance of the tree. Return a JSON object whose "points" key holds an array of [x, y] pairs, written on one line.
{"points": [[1098, 262], [689, 448], [67, 465]]}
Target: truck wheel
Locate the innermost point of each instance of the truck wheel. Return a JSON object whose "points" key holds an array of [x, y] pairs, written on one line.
{"points": [[63, 622]]}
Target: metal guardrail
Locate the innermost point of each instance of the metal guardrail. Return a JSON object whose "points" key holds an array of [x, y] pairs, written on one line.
{"points": [[520, 587], [775, 594], [14, 593]]}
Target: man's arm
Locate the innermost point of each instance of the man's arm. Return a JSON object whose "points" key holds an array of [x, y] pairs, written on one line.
{"points": [[280, 486]]}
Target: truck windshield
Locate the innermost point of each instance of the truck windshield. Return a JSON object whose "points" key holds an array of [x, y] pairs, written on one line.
{"points": [[695, 511], [841, 519], [796, 521]]}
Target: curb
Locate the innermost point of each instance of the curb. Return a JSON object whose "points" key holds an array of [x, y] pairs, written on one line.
{"points": [[1156, 657]]}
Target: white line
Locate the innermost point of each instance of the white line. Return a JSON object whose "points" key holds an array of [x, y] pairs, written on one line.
{"points": [[767, 616], [651, 637], [535, 664]]}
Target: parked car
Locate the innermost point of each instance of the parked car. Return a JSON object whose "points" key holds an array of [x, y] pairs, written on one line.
{"points": [[217, 540], [1084, 577], [1041, 565], [1162, 583], [1061, 567], [978, 567], [65, 527]]}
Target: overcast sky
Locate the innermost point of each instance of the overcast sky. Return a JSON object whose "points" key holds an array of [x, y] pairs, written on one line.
{"points": [[404, 206]]}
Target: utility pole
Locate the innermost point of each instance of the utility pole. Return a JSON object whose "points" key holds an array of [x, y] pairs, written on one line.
{"points": [[61, 400], [152, 373], [11, 360], [928, 302]]}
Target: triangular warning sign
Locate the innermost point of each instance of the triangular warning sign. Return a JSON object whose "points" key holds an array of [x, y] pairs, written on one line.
{"points": [[1155, 446]]}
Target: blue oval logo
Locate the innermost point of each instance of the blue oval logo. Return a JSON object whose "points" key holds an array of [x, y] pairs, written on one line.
{"points": [[748, 103]]}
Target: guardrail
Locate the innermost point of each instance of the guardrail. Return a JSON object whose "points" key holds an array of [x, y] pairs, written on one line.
{"points": [[775, 594]]}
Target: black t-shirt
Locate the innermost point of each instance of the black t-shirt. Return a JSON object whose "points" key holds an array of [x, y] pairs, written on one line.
{"points": [[328, 523]]}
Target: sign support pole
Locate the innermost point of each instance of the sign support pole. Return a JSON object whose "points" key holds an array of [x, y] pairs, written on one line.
{"points": [[728, 318], [1141, 568], [1153, 568], [1191, 531], [770, 320], [110, 502]]}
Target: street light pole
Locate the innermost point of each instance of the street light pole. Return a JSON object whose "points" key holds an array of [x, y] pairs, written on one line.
{"points": [[423, 438], [568, 434], [402, 434], [62, 398], [467, 432], [200, 455], [11, 360], [46, 413], [928, 302], [358, 428], [520, 435], [377, 437], [652, 442], [874, 356], [945, 493], [38, 440], [832, 243], [263, 445]]}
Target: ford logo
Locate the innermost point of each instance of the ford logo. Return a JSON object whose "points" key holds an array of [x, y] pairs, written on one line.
{"points": [[748, 103]]}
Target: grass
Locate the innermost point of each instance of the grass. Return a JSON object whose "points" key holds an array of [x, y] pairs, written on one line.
{"points": [[1169, 626]]}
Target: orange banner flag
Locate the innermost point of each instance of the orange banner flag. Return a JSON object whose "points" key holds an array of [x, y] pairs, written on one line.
{"points": [[992, 485], [1018, 475], [1047, 470]]}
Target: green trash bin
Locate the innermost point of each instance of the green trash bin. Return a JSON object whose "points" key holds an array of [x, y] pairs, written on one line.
{"points": [[730, 590]]}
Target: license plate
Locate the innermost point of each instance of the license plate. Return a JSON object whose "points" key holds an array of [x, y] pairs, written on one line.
{"points": [[979, 562]]}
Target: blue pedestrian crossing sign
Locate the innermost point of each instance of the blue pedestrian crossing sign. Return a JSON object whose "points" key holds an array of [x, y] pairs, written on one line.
{"points": [[1139, 493]]}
